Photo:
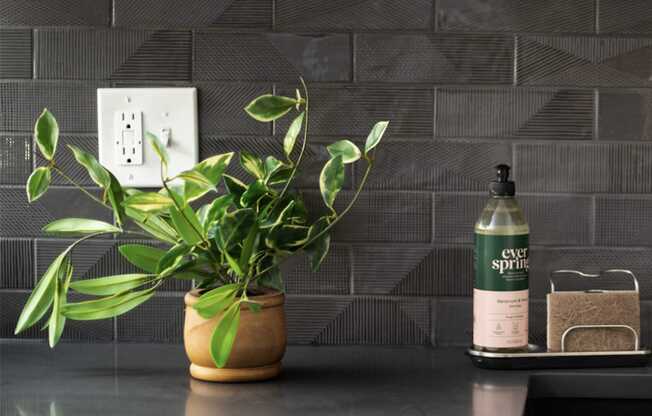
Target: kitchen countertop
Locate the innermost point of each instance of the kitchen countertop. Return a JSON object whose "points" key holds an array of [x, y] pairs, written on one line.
{"points": [[152, 379]]}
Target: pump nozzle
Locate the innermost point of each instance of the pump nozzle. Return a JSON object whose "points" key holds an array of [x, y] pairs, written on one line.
{"points": [[502, 186], [502, 172]]}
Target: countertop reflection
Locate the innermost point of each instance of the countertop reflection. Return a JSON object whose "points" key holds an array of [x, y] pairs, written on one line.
{"points": [[151, 379]]}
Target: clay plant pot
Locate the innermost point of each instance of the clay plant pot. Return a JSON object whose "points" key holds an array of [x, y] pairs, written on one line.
{"points": [[258, 348]]}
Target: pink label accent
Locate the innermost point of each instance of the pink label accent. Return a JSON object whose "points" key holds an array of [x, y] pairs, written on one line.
{"points": [[500, 319]]}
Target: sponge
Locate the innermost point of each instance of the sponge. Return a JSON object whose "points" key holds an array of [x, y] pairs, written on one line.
{"points": [[569, 308]]}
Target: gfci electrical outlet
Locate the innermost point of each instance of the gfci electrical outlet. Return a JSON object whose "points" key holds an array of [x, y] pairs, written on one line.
{"points": [[124, 115]]}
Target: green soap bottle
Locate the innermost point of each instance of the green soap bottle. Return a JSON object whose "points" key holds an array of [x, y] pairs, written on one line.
{"points": [[501, 291]]}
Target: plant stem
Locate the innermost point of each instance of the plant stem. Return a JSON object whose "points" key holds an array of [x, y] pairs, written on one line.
{"points": [[72, 181], [303, 144], [176, 204]]}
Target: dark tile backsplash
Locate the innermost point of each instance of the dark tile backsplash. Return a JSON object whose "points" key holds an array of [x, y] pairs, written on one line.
{"points": [[560, 89]]}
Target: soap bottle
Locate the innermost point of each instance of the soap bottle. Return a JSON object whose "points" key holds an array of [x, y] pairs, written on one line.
{"points": [[500, 293]]}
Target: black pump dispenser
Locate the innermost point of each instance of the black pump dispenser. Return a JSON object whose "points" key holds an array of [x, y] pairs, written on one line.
{"points": [[502, 186]]}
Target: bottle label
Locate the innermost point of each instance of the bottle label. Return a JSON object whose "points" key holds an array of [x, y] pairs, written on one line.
{"points": [[500, 296]]}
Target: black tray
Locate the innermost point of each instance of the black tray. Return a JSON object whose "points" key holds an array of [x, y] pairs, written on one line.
{"points": [[537, 358]]}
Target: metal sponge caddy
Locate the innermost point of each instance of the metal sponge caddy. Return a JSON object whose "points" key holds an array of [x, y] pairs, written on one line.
{"points": [[580, 340]]}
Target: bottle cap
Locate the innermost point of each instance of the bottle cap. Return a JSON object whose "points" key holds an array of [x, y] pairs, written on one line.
{"points": [[502, 186]]}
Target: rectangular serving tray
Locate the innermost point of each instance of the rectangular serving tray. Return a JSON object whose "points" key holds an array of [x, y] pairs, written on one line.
{"points": [[537, 358]]}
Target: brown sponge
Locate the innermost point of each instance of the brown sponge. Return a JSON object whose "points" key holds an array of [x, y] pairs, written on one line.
{"points": [[566, 309]]}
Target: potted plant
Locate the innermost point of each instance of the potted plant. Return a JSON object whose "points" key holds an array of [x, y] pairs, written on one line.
{"points": [[231, 246]]}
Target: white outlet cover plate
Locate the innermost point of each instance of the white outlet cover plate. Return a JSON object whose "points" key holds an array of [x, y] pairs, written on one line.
{"points": [[161, 108]]}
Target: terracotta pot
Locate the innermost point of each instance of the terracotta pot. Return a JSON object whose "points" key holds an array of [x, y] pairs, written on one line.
{"points": [[258, 348]]}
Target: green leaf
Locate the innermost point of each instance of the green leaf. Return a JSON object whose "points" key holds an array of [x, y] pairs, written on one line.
{"points": [[154, 225], [169, 258], [196, 178], [280, 176], [253, 193], [46, 134], [214, 211], [115, 194], [318, 249], [331, 180], [110, 285], [38, 183], [141, 256], [345, 148], [375, 135], [79, 226], [252, 164], [224, 335], [235, 187], [42, 296], [148, 202], [98, 174], [272, 279], [187, 225], [214, 166], [216, 300], [270, 107], [158, 147], [233, 263], [106, 307], [234, 227], [282, 216], [290, 236], [292, 134], [272, 165], [57, 321], [254, 307], [248, 246]]}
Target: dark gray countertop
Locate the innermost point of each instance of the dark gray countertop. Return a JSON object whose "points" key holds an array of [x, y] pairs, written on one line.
{"points": [[144, 379]]}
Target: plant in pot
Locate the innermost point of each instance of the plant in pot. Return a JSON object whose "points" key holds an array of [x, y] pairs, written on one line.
{"points": [[230, 246]]}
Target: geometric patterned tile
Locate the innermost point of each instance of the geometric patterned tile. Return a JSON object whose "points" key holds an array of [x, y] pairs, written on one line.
{"points": [[92, 259], [17, 264], [544, 260], [271, 56], [345, 110], [452, 321], [359, 320], [358, 15], [625, 17], [517, 15], [55, 13], [197, 13], [114, 54], [402, 270], [458, 58], [11, 304], [524, 113], [73, 103], [624, 115], [584, 61], [15, 159], [306, 317], [221, 108], [623, 220], [441, 165], [332, 278], [563, 220], [160, 319], [584, 167], [22, 219], [15, 53], [66, 159], [379, 216]]}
